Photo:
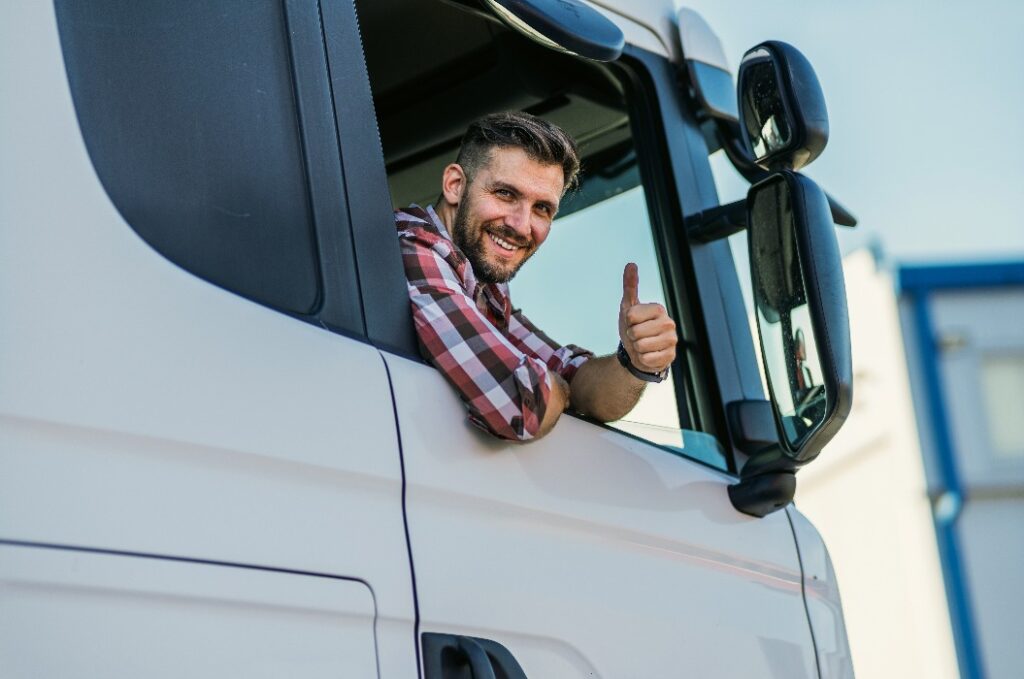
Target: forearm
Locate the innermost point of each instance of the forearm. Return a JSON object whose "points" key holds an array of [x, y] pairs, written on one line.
{"points": [[604, 390]]}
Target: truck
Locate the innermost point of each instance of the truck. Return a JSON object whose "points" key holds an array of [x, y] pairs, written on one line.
{"points": [[221, 451]]}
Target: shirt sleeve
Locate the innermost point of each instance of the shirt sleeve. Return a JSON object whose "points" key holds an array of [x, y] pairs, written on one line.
{"points": [[505, 390], [564, 360]]}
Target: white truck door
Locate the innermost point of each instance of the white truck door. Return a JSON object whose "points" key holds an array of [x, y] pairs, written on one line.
{"points": [[592, 552]]}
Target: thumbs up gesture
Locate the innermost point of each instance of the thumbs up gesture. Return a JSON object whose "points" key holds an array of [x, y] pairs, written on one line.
{"points": [[646, 331]]}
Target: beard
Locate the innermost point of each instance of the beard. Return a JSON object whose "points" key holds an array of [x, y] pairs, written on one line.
{"points": [[469, 238]]}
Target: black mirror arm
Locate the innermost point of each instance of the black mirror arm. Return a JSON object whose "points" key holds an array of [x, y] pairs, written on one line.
{"points": [[729, 136]]}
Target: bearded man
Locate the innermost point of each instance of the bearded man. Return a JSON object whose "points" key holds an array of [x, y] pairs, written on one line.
{"points": [[497, 203]]}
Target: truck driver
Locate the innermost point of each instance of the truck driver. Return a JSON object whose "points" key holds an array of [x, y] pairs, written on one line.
{"points": [[497, 203]]}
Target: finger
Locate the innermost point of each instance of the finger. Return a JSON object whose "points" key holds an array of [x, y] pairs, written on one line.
{"points": [[648, 313], [657, 343], [630, 285]]}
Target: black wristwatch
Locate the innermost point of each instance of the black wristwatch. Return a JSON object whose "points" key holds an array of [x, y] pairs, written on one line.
{"points": [[639, 374]]}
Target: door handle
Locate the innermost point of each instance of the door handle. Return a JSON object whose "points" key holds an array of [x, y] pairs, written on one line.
{"points": [[479, 663], [450, 656]]}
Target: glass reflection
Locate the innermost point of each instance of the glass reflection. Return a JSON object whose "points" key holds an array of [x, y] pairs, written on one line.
{"points": [[764, 114], [783, 317]]}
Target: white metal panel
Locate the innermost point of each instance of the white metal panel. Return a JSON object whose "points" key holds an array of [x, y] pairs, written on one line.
{"points": [[590, 553], [824, 606], [80, 614], [650, 24], [145, 410]]}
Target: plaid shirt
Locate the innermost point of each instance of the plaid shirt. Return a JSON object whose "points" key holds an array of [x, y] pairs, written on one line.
{"points": [[496, 359]]}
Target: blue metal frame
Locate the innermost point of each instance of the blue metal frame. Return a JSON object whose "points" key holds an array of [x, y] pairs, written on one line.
{"points": [[926, 278], [917, 283]]}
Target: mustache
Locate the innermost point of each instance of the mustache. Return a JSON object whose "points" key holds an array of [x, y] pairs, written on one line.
{"points": [[507, 233]]}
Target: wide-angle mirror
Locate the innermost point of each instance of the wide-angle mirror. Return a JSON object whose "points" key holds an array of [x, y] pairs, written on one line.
{"points": [[800, 305], [783, 118]]}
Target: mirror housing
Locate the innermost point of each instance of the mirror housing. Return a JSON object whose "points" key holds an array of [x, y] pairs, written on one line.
{"points": [[783, 118], [804, 331], [566, 26]]}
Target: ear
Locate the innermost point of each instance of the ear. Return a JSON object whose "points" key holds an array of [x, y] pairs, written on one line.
{"points": [[453, 183]]}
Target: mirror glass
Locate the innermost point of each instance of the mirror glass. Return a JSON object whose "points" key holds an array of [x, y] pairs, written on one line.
{"points": [[764, 114], [791, 358]]}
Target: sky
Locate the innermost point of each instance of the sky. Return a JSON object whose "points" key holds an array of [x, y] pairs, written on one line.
{"points": [[926, 110]]}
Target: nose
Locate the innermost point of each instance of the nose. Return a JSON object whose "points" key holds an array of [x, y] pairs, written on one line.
{"points": [[518, 219]]}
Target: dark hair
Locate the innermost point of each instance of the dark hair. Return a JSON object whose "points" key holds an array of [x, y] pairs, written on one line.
{"points": [[542, 141]]}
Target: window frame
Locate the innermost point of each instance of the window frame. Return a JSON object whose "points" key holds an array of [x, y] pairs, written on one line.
{"points": [[678, 180]]}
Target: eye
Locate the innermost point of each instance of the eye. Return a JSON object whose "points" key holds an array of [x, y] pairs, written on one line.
{"points": [[544, 209], [503, 193]]}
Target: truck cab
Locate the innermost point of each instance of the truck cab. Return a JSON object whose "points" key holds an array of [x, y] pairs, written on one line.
{"points": [[222, 451]]}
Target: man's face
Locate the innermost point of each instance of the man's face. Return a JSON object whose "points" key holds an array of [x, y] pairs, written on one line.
{"points": [[505, 213]]}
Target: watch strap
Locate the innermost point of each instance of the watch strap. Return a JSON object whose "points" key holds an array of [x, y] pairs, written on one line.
{"points": [[626, 363]]}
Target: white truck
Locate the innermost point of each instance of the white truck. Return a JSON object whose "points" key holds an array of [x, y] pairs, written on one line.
{"points": [[220, 451]]}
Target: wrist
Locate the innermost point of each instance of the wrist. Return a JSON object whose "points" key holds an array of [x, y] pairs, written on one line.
{"points": [[626, 362]]}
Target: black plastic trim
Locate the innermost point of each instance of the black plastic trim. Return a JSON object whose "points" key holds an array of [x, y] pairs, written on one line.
{"points": [[341, 307], [450, 656], [381, 274]]}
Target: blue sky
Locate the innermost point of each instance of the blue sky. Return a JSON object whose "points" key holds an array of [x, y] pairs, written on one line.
{"points": [[926, 104]]}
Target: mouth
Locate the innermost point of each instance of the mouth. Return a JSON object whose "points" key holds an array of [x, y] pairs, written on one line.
{"points": [[503, 247]]}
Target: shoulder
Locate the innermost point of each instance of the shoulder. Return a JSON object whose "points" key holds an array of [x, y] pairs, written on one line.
{"points": [[414, 222]]}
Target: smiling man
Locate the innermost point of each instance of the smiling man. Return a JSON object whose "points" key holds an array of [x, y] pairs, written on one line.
{"points": [[497, 203]]}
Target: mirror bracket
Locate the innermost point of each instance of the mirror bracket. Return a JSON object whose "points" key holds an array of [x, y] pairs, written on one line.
{"points": [[718, 222], [767, 482], [761, 495]]}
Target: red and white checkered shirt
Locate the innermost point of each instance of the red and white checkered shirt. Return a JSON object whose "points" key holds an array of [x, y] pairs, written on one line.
{"points": [[491, 353]]}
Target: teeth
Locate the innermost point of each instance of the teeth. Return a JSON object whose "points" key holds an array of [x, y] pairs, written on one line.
{"points": [[504, 244]]}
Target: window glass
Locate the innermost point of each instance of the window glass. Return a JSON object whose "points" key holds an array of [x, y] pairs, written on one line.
{"points": [[1002, 382], [190, 119], [572, 288]]}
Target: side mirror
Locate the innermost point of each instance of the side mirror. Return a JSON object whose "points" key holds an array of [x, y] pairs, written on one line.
{"points": [[804, 330], [800, 305], [783, 118]]}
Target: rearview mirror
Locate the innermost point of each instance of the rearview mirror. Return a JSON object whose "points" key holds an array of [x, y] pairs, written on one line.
{"points": [[783, 119], [800, 305]]}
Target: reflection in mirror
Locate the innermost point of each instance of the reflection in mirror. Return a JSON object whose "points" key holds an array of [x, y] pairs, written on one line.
{"points": [[763, 112], [788, 346]]}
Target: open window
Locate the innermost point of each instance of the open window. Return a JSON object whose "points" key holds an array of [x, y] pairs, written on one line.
{"points": [[435, 67]]}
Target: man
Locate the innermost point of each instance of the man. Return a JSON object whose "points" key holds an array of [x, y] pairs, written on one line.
{"points": [[495, 210]]}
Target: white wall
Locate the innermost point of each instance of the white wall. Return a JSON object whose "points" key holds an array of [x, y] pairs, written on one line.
{"points": [[866, 494]]}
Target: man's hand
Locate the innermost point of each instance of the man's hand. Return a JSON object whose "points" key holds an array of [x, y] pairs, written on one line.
{"points": [[646, 331]]}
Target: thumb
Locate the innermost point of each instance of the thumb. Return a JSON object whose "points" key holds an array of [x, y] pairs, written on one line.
{"points": [[630, 283]]}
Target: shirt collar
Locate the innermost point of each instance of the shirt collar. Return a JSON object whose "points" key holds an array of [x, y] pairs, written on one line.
{"points": [[438, 222]]}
